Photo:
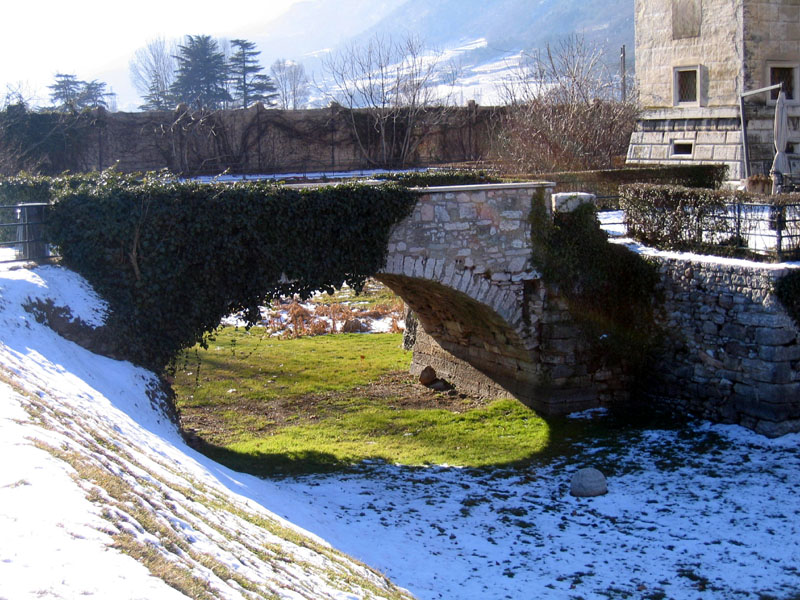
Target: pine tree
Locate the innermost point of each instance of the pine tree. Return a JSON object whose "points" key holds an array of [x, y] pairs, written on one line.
{"points": [[69, 93], [249, 84], [94, 95], [66, 91], [202, 73]]}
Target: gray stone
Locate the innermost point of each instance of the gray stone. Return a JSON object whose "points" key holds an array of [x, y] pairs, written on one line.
{"points": [[587, 483], [775, 337]]}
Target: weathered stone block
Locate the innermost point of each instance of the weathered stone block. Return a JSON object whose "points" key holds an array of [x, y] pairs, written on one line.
{"points": [[775, 337], [779, 353]]}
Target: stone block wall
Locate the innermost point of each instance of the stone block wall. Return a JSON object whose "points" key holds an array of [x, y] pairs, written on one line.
{"points": [[771, 34], [713, 140], [731, 352], [665, 41], [259, 140], [487, 322]]}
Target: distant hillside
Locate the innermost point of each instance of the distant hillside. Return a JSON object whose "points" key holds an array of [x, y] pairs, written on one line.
{"points": [[483, 37], [512, 25]]}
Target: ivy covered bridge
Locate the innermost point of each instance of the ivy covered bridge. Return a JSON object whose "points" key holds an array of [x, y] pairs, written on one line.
{"points": [[514, 293]]}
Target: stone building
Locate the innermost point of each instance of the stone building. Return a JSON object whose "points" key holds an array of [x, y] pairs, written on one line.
{"points": [[695, 59]]}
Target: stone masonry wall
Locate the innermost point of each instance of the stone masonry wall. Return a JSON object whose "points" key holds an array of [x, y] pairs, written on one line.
{"points": [[733, 43], [488, 323], [664, 42], [732, 353], [713, 141], [259, 140]]}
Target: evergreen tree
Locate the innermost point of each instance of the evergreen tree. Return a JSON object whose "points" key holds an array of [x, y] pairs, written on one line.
{"points": [[202, 73], [94, 95], [65, 93], [69, 93], [249, 84]]}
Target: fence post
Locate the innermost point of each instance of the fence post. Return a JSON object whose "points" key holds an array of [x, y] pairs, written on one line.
{"points": [[738, 222], [29, 232], [779, 225]]}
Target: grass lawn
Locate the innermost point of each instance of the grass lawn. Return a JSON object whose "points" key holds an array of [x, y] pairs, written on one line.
{"points": [[268, 405]]}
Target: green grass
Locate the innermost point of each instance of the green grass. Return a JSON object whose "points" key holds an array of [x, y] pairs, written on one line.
{"points": [[260, 368], [267, 405], [503, 432]]}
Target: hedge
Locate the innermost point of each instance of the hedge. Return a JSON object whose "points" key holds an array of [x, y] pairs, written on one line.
{"points": [[440, 178], [700, 220], [607, 182], [173, 257]]}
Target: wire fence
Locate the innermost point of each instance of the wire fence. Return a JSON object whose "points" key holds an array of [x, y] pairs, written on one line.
{"points": [[768, 230], [22, 233], [760, 228]]}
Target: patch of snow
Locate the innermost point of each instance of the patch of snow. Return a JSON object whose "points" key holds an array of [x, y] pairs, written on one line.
{"points": [[678, 522]]}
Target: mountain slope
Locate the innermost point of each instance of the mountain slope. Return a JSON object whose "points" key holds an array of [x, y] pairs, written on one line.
{"points": [[512, 25]]}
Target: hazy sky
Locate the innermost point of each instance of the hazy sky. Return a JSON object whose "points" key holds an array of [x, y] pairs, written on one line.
{"points": [[92, 39]]}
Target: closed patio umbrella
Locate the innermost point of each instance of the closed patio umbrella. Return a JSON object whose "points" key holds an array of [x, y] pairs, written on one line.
{"points": [[781, 133]]}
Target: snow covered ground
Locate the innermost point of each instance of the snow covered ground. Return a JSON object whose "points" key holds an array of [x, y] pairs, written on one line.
{"points": [[97, 487]]}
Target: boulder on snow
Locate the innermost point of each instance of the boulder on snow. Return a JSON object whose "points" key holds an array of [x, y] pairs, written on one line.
{"points": [[588, 483]]}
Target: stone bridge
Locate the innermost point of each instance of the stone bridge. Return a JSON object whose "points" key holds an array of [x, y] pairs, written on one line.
{"points": [[461, 262]]}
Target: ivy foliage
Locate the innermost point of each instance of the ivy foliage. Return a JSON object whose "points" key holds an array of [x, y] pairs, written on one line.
{"points": [[787, 289], [440, 178], [173, 257], [609, 289], [46, 142]]}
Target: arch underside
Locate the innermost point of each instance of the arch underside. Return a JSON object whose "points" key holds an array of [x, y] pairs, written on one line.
{"points": [[540, 361], [472, 332]]}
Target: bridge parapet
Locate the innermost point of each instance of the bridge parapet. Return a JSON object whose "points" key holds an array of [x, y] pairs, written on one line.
{"points": [[474, 239]]}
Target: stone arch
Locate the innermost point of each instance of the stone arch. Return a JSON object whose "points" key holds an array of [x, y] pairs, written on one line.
{"points": [[468, 340], [461, 261]]}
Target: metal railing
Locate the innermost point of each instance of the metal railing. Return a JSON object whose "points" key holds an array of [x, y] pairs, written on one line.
{"points": [[768, 229], [771, 230], [22, 233]]}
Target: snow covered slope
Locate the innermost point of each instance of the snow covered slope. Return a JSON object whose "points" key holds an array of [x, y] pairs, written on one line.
{"points": [[100, 497], [480, 40]]}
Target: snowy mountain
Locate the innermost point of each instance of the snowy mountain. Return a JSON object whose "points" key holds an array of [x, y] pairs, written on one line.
{"points": [[483, 39]]}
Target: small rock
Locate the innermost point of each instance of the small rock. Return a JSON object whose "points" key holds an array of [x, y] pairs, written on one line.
{"points": [[440, 385], [588, 483], [428, 375]]}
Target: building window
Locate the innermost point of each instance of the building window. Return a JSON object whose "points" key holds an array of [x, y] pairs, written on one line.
{"points": [[786, 75], [682, 149], [686, 86]]}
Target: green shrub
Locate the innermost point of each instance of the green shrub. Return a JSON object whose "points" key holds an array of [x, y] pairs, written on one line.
{"points": [[673, 217], [173, 257], [440, 178], [787, 289], [608, 181], [610, 290], [700, 220]]}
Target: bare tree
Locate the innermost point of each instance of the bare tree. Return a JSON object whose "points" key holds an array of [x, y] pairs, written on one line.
{"points": [[563, 111], [292, 82], [391, 82], [152, 71]]}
